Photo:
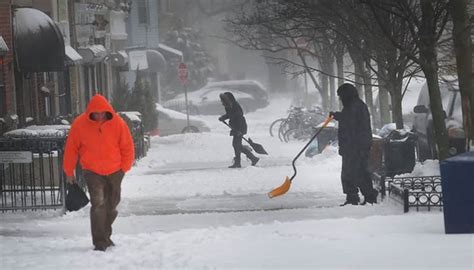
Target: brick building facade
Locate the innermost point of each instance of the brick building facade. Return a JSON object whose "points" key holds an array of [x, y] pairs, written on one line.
{"points": [[6, 69]]}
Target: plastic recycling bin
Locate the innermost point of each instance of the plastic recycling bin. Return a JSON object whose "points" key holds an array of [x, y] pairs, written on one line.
{"points": [[399, 153], [457, 182], [326, 137]]}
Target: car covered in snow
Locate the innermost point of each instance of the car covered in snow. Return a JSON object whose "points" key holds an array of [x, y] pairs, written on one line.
{"points": [[174, 122], [251, 96], [251, 87]]}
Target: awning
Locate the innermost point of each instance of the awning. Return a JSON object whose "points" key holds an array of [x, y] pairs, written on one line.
{"points": [[38, 42], [156, 61], [119, 59], [92, 54], [3, 47], [72, 56], [168, 51]]}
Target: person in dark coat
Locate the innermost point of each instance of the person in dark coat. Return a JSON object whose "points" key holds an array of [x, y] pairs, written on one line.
{"points": [[238, 125], [355, 140]]}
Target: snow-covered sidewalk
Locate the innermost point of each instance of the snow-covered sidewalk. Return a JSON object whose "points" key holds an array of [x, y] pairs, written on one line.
{"points": [[182, 208]]}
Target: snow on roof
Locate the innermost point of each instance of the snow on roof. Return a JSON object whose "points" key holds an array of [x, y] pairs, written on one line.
{"points": [[169, 49], [32, 21], [132, 115], [72, 54]]}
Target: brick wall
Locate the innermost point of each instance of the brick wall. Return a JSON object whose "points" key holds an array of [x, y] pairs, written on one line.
{"points": [[6, 32]]}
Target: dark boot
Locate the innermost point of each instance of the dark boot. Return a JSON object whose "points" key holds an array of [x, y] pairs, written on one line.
{"points": [[351, 199], [251, 156], [372, 198], [236, 163]]}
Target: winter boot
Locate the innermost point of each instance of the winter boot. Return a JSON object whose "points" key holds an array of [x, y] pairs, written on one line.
{"points": [[372, 198], [236, 163], [351, 199], [251, 156]]}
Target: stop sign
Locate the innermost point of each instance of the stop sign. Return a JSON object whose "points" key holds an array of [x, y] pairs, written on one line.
{"points": [[183, 73]]}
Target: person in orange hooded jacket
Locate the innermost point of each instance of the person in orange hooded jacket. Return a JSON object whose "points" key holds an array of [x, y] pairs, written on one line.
{"points": [[101, 140]]}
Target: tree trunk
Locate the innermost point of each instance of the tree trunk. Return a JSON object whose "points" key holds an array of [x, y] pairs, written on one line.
{"points": [[359, 71], [383, 96], [369, 100], [462, 47], [384, 106], [397, 114], [332, 86], [324, 82], [322, 91], [340, 72], [429, 66]]}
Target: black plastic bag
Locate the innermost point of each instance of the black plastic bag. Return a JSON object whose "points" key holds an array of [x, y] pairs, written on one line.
{"points": [[76, 198]]}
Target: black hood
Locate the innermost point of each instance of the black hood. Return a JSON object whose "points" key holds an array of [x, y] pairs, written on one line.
{"points": [[348, 94], [227, 99]]}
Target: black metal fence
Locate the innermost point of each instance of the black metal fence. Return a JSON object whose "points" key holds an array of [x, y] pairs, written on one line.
{"points": [[31, 175], [421, 192]]}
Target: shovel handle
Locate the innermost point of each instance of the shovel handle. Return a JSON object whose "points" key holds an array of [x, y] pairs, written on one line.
{"points": [[325, 123]]}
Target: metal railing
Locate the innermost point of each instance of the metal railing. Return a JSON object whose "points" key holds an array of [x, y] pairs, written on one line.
{"points": [[420, 192], [31, 174]]}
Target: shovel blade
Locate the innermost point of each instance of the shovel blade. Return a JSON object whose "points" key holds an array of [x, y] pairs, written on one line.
{"points": [[281, 189], [257, 147]]}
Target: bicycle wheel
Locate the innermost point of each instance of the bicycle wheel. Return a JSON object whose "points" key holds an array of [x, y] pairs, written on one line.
{"points": [[274, 124], [284, 126], [291, 135]]}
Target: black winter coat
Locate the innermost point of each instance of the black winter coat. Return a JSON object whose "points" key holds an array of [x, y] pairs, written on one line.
{"points": [[234, 113], [355, 132]]}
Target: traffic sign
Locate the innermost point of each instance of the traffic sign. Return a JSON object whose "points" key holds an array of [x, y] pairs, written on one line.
{"points": [[183, 73]]}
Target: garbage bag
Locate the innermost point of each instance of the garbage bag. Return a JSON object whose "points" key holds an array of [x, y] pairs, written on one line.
{"points": [[76, 198]]}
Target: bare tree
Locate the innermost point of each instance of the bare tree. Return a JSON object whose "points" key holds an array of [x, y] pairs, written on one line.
{"points": [[463, 49]]}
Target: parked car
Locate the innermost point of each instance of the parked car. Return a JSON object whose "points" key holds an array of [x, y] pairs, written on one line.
{"points": [[251, 87], [173, 122], [423, 121], [250, 94]]}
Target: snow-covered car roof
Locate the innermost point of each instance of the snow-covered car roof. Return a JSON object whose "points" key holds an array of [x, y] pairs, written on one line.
{"points": [[235, 83], [197, 96]]}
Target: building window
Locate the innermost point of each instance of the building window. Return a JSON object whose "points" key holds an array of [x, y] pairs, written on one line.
{"points": [[143, 16]]}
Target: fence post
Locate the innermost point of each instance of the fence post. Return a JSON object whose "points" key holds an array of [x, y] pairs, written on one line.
{"points": [[405, 200]]}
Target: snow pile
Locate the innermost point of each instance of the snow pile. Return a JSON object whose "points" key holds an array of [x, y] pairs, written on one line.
{"points": [[46, 131]]}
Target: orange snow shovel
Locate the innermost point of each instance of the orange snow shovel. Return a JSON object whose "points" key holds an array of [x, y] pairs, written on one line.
{"points": [[286, 185]]}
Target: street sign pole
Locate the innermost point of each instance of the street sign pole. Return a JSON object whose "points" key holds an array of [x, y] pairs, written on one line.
{"points": [[183, 77], [187, 107]]}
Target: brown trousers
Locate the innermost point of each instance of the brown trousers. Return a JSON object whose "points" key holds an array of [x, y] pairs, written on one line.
{"points": [[104, 191]]}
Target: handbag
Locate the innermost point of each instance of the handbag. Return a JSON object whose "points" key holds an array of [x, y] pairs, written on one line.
{"points": [[76, 198]]}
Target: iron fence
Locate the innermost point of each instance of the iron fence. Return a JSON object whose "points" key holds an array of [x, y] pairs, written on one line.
{"points": [[420, 192], [31, 175]]}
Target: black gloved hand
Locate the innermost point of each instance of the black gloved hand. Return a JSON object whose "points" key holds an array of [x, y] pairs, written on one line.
{"points": [[335, 115]]}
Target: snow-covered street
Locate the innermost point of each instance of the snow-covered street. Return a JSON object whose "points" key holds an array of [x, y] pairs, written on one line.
{"points": [[183, 208]]}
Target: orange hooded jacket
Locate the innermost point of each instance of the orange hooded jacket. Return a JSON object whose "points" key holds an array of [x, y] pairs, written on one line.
{"points": [[103, 148]]}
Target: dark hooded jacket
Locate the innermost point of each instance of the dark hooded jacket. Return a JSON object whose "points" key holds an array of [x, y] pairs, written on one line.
{"points": [[234, 113], [355, 132], [102, 147]]}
